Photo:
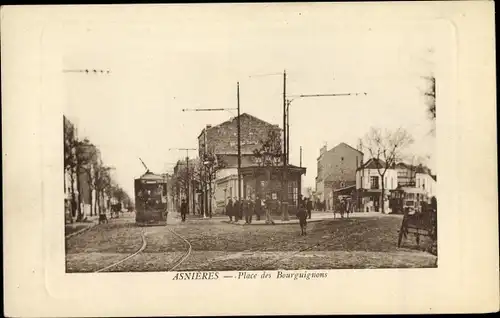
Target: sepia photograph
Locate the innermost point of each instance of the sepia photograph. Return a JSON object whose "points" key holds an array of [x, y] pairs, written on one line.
{"points": [[240, 146], [236, 159]]}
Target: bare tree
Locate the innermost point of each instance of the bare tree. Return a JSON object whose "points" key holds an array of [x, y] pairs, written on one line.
{"points": [[270, 153], [386, 147], [87, 162], [207, 171], [102, 181], [70, 162], [430, 99]]}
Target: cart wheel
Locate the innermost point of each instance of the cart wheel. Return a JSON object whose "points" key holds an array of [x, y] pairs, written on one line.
{"points": [[400, 238]]}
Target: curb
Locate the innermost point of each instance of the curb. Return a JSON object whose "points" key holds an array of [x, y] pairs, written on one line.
{"points": [[80, 231], [261, 224]]}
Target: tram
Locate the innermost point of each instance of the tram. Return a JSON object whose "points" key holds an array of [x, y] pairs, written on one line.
{"points": [[150, 199], [407, 199]]}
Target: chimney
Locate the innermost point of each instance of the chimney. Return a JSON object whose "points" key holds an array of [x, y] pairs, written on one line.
{"points": [[322, 150]]}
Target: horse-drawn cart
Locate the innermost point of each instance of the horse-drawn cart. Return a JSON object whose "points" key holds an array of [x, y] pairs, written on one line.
{"points": [[420, 221]]}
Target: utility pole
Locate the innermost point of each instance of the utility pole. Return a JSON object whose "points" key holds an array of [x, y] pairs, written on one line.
{"points": [[187, 174], [286, 129], [239, 133], [301, 156], [239, 146], [285, 155], [287, 132]]}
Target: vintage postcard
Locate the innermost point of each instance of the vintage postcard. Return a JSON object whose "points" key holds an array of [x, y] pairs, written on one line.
{"points": [[226, 159]]}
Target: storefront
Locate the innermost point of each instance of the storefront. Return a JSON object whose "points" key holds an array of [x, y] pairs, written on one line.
{"points": [[263, 182]]}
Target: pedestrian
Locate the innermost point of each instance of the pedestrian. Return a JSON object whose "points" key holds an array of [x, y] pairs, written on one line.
{"points": [[183, 210], [342, 208], [302, 216], [348, 207], [237, 210], [309, 208], [229, 209], [248, 210], [269, 206], [258, 207], [166, 215]]}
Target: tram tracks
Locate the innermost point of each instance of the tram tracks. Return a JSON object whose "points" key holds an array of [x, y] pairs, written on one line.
{"points": [[144, 244], [183, 257], [175, 264]]}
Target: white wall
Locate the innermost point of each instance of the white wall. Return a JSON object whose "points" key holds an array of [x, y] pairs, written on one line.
{"points": [[222, 173], [363, 179], [426, 183]]}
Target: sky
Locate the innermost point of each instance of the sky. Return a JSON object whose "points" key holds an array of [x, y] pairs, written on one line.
{"points": [[172, 61]]}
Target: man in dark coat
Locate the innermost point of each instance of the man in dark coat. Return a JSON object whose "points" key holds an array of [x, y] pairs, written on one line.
{"points": [[309, 207], [302, 216], [236, 210], [183, 210], [258, 207], [229, 209], [269, 207], [248, 209]]}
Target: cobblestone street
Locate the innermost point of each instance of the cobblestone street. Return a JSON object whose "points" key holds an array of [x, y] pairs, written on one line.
{"points": [[358, 242]]}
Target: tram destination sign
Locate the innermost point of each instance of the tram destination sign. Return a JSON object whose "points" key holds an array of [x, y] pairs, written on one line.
{"points": [[152, 181]]}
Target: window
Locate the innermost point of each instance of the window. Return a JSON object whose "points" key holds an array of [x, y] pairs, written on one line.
{"points": [[292, 192], [374, 182]]}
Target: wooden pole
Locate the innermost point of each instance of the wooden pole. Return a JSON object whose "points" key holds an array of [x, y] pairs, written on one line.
{"points": [[239, 148]]}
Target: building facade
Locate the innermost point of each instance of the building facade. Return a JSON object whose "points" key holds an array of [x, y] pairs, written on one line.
{"points": [[369, 186], [336, 170], [427, 182], [406, 174], [222, 141]]}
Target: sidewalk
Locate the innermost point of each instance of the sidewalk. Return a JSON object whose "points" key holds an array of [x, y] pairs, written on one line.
{"points": [[75, 228], [316, 216]]}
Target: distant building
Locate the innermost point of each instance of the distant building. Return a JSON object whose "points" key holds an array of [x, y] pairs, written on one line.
{"points": [[369, 185], [426, 181], [222, 141], [406, 174], [336, 171]]}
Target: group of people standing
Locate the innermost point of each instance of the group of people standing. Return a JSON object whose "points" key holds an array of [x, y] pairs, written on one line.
{"points": [[246, 208], [237, 210]]}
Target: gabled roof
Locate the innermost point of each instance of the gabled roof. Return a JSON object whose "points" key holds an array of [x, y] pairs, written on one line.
{"points": [[233, 119], [340, 144], [373, 164], [349, 146]]}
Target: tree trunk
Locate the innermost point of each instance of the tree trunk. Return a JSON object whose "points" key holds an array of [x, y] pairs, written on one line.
{"points": [[210, 198], [96, 204], [78, 185], [73, 195], [382, 201]]}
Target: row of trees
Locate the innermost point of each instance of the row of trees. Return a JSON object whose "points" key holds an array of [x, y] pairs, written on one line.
{"points": [[199, 176], [83, 165], [202, 172]]}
